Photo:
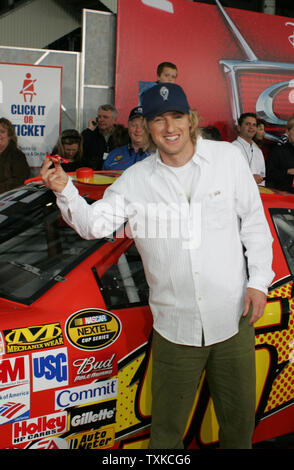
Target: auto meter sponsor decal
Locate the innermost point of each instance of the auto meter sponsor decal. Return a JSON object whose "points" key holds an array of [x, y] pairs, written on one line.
{"points": [[91, 368], [40, 427], [85, 394], [33, 337], [102, 439], [92, 416], [92, 329], [14, 389], [50, 369]]}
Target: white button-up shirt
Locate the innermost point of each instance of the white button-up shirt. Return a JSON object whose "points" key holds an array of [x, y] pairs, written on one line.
{"points": [[192, 251], [253, 155]]}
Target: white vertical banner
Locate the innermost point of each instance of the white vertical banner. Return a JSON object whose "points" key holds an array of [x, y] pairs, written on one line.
{"points": [[30, 97]]}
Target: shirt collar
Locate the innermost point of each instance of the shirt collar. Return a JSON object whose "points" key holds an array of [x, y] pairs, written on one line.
{"points": [[244, 142], [201, 152]]}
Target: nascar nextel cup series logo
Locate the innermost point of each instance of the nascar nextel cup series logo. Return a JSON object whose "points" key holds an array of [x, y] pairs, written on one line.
{"points": [[92, 329]]}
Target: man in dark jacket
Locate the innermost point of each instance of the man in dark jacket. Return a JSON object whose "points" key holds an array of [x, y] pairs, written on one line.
{"points": [[98, 137], [280, 164]]}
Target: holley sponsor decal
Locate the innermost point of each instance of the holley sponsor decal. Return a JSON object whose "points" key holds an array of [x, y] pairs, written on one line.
{"points": [[39, 427]]}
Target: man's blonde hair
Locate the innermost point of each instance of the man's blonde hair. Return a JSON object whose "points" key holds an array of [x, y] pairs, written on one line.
{"points": [[194, 129]]}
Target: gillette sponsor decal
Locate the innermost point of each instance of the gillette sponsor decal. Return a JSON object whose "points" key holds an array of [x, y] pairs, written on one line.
{"points": [[39, 427], [50, 369], [93, 416], [90, 393]]}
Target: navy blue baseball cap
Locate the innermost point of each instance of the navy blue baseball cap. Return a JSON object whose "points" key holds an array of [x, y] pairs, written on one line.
{"points": [[136, 112], [164, 97]]}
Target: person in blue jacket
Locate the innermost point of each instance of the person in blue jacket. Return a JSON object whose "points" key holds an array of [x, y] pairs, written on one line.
{"points": [[136, 150]]}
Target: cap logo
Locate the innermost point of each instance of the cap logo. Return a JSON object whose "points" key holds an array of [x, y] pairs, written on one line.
{"points": [[164, 92]]}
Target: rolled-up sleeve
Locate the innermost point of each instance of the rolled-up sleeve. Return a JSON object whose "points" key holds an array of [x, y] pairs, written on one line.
{"points": [[91, 221]]}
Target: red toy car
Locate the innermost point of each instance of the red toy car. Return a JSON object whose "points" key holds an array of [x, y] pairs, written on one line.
{"points": [[75, 331]]}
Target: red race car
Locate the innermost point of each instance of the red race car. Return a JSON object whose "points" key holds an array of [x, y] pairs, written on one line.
{"points": [[75, 330]]}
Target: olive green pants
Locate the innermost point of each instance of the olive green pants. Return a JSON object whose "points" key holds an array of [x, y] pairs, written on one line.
{"points": [[230, 371]]}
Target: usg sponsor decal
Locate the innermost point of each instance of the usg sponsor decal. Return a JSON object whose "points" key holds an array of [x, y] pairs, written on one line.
{"points": [[90, 393], [50, 369], [39, 427], [33, 337], [92, 329], [93, 417], [102, 439]]}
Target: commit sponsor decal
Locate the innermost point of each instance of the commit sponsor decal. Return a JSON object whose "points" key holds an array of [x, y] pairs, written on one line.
{"points": [[90, 393], [92, 329], [33, 337]]}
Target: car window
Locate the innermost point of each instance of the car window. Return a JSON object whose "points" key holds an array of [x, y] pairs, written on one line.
{"points": [[37, 248], [124, 284], [284, 224]]}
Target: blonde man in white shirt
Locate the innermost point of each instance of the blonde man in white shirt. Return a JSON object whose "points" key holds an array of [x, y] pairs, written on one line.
{"points": [[192, 207], [247, 127]]}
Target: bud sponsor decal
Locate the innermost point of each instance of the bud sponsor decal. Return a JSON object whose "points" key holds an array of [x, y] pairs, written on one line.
{"points": [[50, 369], [93, 416], [39, 427], [92, 329], [33, 337], [90, 393], [14, 389], [91, 368], [103, 439]]}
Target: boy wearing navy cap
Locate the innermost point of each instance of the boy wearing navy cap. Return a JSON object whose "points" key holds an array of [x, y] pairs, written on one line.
{"points": [[207, 205]]}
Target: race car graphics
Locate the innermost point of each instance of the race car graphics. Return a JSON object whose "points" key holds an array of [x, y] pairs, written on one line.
{"points": [[33, 337], [12, 411], [14, 389], [92, 329], [53, 443], [41, 426], [90, 393], [50, 369]]}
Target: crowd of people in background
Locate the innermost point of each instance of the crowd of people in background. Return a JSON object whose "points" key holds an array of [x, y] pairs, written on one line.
{"points": [[107, 145]]}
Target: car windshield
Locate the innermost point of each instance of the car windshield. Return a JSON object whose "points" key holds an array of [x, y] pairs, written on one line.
{"points": [[284, 224], [37, 248]]}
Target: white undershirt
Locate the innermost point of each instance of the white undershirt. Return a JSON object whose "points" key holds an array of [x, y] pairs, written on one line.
{"points": [[186, 176]]}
